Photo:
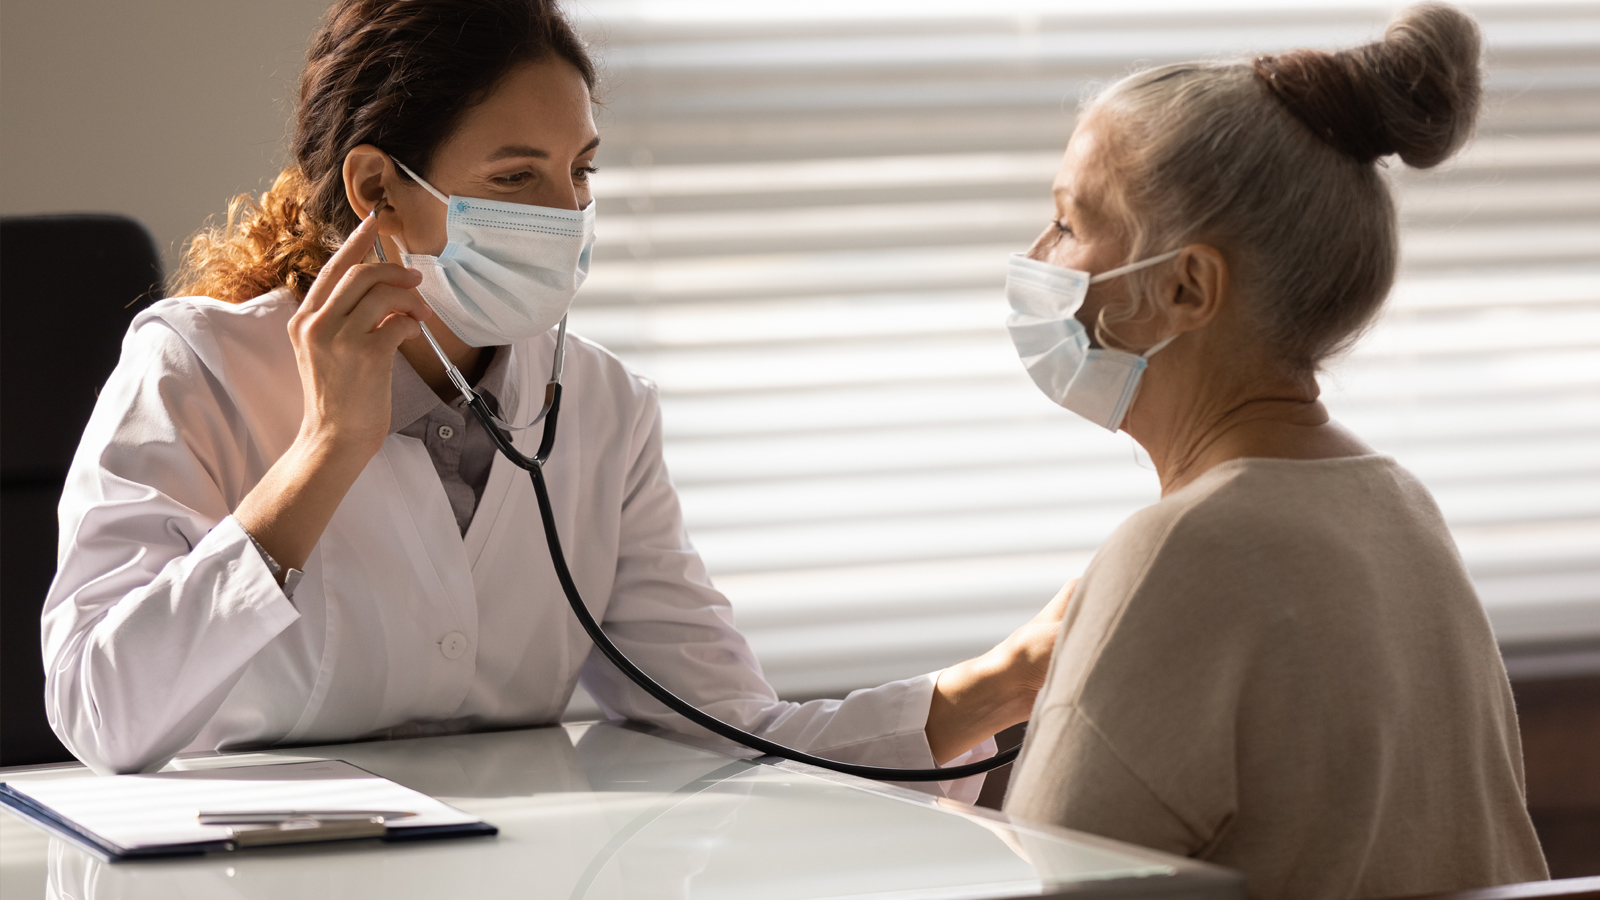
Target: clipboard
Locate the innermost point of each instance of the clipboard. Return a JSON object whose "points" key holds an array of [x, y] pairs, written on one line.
{"points": [[126, 817]]}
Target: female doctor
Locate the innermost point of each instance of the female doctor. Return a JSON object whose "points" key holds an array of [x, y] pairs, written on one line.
{"points": [[282, 525]]}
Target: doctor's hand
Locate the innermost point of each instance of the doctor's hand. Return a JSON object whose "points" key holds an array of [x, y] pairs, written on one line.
{"points": [[974, 700], [345, 335]]}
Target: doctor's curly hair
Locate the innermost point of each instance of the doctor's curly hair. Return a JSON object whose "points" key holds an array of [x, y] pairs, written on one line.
{"points": [[398, 74]]}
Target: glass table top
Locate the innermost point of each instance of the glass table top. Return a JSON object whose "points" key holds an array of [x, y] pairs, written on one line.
{"points": [[601, 811]]}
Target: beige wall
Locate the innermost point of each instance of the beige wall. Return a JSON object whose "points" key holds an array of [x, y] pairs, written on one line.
{"points": [[158, 109]]}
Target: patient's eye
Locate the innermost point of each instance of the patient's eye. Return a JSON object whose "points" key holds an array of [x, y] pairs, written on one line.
{"points": [[1061, 226]]}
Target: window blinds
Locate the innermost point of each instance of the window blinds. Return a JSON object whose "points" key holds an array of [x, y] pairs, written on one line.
{"points": [[802, 231]]}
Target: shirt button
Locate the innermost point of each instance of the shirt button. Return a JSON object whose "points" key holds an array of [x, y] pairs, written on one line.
{"points": [[446, 432], [453, 645]]}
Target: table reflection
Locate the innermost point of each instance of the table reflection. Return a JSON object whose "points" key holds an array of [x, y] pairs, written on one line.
{"points": [[601, 792], [601, 812]]}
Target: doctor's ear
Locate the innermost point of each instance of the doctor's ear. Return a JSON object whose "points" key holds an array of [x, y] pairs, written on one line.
{"points": [[369, 175], [1202, 287]]}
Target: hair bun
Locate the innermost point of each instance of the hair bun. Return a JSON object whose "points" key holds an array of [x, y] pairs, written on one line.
{"points": [[1414, 93]]}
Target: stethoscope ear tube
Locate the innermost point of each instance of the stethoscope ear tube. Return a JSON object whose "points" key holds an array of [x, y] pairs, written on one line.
{"points": [[535, 467]]}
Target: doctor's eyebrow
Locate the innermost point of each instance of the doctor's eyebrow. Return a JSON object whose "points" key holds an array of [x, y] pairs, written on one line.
{"points": [[519, 151]]}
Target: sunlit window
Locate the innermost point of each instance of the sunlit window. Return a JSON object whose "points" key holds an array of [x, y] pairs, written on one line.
{"points": [[805, 211]]}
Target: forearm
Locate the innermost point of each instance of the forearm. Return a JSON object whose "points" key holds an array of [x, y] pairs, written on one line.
{"points": [[974, 700], [136, 664], [345, 335], [291, 506]]}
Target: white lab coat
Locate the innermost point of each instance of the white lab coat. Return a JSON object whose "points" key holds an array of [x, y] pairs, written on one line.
{"points": [[165, 632]]}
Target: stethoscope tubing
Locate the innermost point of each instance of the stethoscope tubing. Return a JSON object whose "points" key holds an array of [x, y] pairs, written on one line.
{"points": [[534, 465]]}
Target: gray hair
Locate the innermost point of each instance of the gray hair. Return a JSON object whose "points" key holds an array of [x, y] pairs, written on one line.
{"points": [[1275, 163]]}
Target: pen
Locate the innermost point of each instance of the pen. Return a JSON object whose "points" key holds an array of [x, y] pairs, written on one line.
{"points": [[270, 816]]}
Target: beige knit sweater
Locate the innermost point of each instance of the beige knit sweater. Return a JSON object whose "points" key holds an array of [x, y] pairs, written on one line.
{"points": [[1283, 668]]}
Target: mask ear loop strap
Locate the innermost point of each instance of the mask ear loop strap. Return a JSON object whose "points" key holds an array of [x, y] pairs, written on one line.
{"points": [[418, 179], [1134, 267], [1159, 345]]}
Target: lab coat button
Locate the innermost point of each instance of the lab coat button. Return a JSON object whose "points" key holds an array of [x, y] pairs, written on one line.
{"points": [[446, 432], [453, 645]]}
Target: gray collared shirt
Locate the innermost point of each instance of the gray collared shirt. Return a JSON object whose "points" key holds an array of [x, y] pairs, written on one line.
{"points": [[462, 452]]}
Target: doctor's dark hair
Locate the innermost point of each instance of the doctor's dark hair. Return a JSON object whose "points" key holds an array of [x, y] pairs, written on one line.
{"points": [[398, 74], [1276, 163]]}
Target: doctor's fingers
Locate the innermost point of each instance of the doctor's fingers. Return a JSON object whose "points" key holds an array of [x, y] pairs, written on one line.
{"points": [[354, 249], [359, 281], [381, 302], [330, 330], [396, 330], [395, 325]]}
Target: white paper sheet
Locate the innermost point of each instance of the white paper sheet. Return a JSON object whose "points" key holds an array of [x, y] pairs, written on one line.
{"points": [[134, 811]]}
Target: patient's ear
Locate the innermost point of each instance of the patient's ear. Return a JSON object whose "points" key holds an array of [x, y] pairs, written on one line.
{"points": [[1202, 288]]}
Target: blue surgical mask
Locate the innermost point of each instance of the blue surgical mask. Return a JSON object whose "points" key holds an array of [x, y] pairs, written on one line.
{"points": [[1094, 382], [509, 271]]}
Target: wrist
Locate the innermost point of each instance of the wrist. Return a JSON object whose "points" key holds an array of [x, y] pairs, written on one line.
{"points": [[972, 701], [327, 447], [287, 510], [1003, 686]]}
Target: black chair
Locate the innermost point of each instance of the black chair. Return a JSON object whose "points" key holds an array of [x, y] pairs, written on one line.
{"points": [[68, 287]]}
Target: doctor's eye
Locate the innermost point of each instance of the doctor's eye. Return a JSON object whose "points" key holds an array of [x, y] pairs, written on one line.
{"points": [[582, 173], [515, 179]]}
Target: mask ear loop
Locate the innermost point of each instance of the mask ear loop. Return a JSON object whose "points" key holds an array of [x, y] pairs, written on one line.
{"points": [[1134, 266], [459, 380], [1159, 345], [1123, 270], [418, 179]]}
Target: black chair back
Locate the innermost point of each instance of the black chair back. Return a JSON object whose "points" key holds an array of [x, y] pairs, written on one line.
{"points": [[68, 287]]}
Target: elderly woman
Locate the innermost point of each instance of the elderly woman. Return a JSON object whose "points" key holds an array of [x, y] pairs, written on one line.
{"points": [[282, 526], [1281, 666]]}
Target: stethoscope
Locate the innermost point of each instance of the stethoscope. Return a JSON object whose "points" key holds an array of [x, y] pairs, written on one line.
{"points": [[534, 465]]}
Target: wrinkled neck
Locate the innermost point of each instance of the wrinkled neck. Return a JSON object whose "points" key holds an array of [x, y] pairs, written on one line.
{"points": [[1258, 426], [1202, 403]]}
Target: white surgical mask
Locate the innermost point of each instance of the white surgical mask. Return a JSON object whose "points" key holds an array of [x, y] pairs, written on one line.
{"points": [[509, 271], [1096, 383]]}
